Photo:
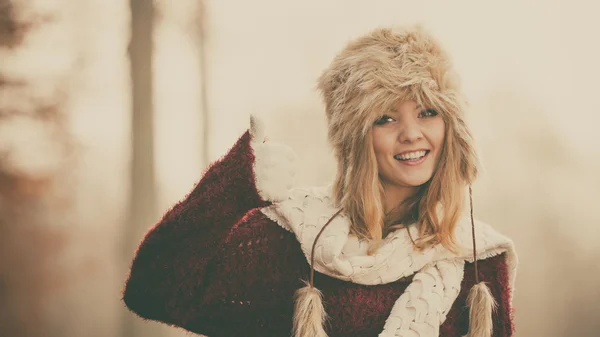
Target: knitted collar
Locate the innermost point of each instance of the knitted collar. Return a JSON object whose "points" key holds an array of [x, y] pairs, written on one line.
{"points": [[344, 256]]}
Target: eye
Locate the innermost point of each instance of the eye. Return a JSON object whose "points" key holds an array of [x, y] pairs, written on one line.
{"points": [[384, 120], [428, 113]]}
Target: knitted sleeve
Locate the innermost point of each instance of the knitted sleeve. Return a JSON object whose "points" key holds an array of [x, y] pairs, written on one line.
{"points": [[494, 272], [167, 276]]}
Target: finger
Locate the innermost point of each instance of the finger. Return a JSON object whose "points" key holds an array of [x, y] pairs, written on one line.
{"points": [[257, 128]]}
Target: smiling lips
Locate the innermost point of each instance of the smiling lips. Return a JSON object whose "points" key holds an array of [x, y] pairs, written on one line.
{"points": [[412, 158]]}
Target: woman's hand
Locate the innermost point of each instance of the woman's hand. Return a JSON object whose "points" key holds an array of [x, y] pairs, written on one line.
{"points": [[273, 166]]}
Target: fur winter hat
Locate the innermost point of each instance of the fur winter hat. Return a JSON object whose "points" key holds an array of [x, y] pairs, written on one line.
{"points": [[377, 70]]}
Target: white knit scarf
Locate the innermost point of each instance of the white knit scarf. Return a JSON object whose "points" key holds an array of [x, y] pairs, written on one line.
{"points": [[438, 273]]}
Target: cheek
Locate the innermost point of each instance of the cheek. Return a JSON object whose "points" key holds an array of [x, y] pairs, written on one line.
{"points": [[379, 142], [437, 134]]}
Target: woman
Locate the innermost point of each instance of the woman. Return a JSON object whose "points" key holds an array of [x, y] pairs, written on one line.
{"points": [[390, 244]]}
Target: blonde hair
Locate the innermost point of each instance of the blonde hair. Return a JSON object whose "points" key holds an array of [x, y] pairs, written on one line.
{"points": [[367, 77]]}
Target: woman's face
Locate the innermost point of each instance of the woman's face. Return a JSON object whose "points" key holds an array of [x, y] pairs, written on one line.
{"points": [[407, 141]]}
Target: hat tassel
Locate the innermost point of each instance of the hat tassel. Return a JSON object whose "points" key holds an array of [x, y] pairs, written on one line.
{"points": [[309, 311], [481, 305], [480, 300]]}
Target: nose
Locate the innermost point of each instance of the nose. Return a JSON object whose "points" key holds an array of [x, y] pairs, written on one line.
{"points": [[409, 132]]}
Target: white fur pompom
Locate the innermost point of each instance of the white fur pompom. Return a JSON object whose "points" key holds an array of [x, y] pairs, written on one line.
{"points": [[481, 305], [309, 313]]}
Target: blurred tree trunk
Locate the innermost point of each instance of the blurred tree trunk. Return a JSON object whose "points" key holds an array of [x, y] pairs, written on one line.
{"points": [[202, 53], [33, 145], [142, 201]]}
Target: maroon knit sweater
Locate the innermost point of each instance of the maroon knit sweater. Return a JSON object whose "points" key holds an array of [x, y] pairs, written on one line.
{"points": [[215, 265]]}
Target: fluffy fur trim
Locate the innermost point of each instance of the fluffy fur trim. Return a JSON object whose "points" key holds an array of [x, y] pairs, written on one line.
{"points": [[481, 305], [309, 313], [374, 72]]}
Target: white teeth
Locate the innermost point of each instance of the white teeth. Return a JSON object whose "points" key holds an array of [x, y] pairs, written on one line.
{"points": [[412, 155]]}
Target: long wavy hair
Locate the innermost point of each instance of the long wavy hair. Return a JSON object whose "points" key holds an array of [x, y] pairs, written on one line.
{"points": [[366, 78]]}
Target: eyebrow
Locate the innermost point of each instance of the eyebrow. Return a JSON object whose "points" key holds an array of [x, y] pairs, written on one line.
{"points": [[418, 107]]}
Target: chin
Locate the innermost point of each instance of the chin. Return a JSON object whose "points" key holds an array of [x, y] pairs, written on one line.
{"points": [[415, 182]]}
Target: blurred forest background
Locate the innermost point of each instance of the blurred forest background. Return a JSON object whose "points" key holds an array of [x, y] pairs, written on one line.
{"points": [[109, 111]]}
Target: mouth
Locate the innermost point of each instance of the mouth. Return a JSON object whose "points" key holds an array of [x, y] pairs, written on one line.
{"points": [[412, 158]]}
